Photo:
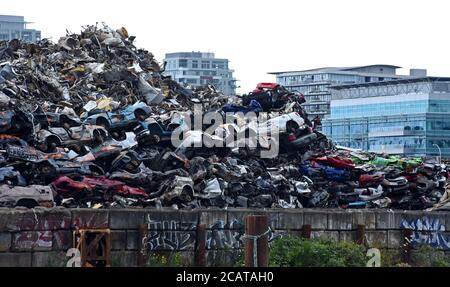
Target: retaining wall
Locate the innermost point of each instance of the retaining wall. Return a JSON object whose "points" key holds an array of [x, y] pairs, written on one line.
{"points": [[41, 237]]}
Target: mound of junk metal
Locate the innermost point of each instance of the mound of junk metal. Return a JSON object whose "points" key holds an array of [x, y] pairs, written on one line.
{"points": [[90, 122]]}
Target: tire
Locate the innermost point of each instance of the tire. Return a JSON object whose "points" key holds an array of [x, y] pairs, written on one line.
{"points": [[65, 122], [102, 122], [140, 115], [291, 126], [119, 135], [98, 137], [52, 142]]}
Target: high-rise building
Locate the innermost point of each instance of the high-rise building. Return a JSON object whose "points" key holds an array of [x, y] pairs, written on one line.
{"points": [[197, 69], [15, 27], [315, 83], [406, 116]]}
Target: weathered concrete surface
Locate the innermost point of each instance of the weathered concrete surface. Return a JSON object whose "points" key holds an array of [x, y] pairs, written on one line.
{"points": [[42, 236], [15, 259], [5, 241]]}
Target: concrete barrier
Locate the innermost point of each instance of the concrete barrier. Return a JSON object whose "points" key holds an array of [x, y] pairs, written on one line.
{"points": [[40, 237]]}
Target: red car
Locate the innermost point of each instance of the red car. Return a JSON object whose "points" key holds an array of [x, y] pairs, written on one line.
{"points": [[67, 187]]}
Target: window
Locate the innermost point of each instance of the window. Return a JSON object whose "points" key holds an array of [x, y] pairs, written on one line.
{"points": [[218, 65], [205, 64], [194, 64], [191, 81], [182, 63]]}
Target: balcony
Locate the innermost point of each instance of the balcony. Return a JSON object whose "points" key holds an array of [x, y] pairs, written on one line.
{"points": [[317, 92], [396, 132]]}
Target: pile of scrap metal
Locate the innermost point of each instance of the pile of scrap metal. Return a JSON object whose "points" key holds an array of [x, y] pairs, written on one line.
{"points": [[91, 121]]}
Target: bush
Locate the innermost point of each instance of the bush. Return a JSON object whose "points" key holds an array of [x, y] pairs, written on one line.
{"points": [[165, 260], [427, 256], [291, 251]]}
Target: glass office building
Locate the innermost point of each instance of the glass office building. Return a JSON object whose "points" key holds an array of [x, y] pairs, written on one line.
{"points": [[406, 117], [15, 27], [315, 84]]}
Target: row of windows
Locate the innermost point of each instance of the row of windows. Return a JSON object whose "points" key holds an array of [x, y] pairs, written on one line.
{"points": [[204, 81], [381, 109], [195, 64], [406, 143], [315, 98], [385, 109]]}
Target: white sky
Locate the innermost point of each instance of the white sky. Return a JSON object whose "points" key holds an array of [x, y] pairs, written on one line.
{"points": [[264, 36]]}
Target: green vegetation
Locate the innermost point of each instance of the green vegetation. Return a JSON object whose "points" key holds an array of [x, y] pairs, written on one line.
{"points": [[165, 260], [291, 251]]}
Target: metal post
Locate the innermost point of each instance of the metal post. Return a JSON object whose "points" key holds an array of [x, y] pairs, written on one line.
{"points": [[407, 246], [306, 231], [361, 234], [142, 254], [257, 243], [200, 248]]}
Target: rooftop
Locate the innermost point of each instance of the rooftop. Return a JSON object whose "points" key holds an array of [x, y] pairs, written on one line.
{"points": [[207, 55], [390, 82], [335, 69], [13, 19]]}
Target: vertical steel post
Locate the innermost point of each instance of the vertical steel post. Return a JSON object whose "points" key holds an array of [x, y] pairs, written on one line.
{"points": [[257, 243], [200, 248]]}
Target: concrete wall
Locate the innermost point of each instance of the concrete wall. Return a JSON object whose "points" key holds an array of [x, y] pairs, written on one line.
{"points": [[41, 237]]}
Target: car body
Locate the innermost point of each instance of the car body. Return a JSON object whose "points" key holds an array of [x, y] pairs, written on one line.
{"points": [[152, 131], [67, 187], [124, 119], [46, 171], [75, 137], [199, 143], [50, 119], [30, 196], [14, 148], [272, 96]]}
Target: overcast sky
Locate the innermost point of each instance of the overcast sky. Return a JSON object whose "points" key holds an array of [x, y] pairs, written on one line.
{"points": [[264, 36]]}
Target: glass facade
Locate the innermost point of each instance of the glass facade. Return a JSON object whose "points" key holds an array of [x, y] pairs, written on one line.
{"points": [[407, 124], [315, 84], [373, 110], [14, 27]]}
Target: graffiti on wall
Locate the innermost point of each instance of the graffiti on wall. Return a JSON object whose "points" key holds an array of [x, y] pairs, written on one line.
{"points": [[170, 235], [427, 232], [223, 235], [230, 235], [175, 235]]}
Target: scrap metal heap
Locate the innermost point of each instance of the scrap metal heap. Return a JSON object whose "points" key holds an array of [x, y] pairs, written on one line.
{"points": [[88, 122]]}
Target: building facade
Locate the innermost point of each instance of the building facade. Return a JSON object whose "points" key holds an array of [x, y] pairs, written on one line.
{"points": [[15, 27], [198, 69], [315, 84], [406, 117]]}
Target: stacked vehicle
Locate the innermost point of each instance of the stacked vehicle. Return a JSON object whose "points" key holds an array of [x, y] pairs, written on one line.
{"points": [[91, 121]]}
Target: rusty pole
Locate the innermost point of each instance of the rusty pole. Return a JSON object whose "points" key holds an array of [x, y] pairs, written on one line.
{"points": [[361, 234], [142, 254], [200, 248], [256, 232], [306, 231], [407, 245]]}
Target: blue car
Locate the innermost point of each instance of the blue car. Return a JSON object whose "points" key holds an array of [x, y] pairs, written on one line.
{"points": [[122, 120], [151, 132]]}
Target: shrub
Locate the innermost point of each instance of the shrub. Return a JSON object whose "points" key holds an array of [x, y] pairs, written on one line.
{"points": [[427, 256], [291, 251], [165, 260]]}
